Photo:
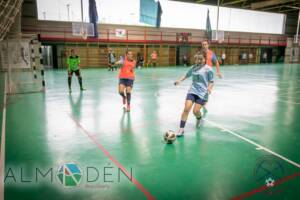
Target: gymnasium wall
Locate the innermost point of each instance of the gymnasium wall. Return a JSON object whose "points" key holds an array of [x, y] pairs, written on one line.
{"points": [[292, 51], [62, 31], [93, 52], [92, 55]]}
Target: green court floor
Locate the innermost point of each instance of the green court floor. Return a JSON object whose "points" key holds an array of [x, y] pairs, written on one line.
{"points": [[250, 135]]}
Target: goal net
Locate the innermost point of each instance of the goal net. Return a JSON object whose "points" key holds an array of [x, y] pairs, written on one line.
{"points": [[21, 59]]}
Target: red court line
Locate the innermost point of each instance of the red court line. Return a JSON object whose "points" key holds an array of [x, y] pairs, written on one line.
{"points": [[264, 187], [119, 165]]}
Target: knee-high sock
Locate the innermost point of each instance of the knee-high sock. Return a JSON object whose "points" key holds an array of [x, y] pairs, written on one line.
{"points": [[182, 124], [122, 94], [69, 81], [128, 96], [123, 97], [80, 81]]}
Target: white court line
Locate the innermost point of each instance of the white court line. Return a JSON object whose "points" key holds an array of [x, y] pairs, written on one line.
{"points": [[284, 94], [263, 78], [256, 76], [258, 146], [290, 98], [2, 151], [291, 102]]}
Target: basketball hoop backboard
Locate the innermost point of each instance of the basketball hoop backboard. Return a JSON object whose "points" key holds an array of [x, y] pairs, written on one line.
{"points": [[83, 29], [218, 36]]}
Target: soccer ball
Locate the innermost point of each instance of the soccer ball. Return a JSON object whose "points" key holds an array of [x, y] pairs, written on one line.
{"points": [[169, 137]]}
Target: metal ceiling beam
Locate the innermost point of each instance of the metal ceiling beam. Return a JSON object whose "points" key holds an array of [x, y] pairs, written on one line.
{"points": [[233, 2], [288, 10], [200, 1], [294, 7], [268, 3], [276, 7], [271, 8]]}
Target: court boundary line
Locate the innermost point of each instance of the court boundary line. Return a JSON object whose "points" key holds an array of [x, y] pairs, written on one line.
{"points": [[2, 150], [291, 102], [291, 97], [254, 143], [263, 87], [113, 160]]}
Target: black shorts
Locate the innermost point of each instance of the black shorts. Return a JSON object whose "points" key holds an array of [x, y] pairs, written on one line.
{"points": [[195, 99], [77, 72], [126, 82]]}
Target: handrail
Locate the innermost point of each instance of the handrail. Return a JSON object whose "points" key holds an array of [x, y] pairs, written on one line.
{"points": [[160, 37], [149, 30]]}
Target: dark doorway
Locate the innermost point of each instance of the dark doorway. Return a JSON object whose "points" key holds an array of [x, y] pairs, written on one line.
{"points": [[280, 54], [266, 55], [49, 54], [54, 56], [181, 52], [177, 55]]}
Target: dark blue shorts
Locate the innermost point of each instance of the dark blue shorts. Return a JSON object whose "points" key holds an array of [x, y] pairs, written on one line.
{"points": [[126, 82], [195, 99]]}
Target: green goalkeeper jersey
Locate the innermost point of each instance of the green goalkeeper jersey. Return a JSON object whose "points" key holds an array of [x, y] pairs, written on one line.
{"points": [[73, 62]]}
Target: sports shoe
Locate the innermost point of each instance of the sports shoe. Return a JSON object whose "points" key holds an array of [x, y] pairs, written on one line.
{"points": [[180, 132]]}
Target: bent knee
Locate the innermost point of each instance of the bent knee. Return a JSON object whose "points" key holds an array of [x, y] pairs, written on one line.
{"points": [[196, 112]]}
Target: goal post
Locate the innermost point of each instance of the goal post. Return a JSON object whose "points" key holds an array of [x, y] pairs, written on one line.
{"points": [[21, 59]]}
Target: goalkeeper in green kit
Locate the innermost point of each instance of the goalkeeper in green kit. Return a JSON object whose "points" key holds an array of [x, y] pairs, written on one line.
{"points": [[73, 64]]}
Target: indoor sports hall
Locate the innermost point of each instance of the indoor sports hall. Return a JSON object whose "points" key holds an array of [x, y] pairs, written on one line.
{"points": [[149, 99]]}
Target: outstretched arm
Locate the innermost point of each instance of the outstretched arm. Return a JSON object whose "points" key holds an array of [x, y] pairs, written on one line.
{"points": [[216, 62], [180, 80], [210, 87], [218, 69], [118, 62], [187, 75]]}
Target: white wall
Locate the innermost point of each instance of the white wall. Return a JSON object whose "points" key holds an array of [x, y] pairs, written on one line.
{"points": [[175, 14]]}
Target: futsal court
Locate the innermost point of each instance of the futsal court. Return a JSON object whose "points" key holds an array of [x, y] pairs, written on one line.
{"points": [[252, 113]]}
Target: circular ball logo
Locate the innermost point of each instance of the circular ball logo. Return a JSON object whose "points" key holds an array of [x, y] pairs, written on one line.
{"points": [[69, 175], [268, 168], [267, 171]]}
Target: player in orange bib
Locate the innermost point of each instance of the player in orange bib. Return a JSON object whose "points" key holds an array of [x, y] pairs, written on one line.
{"points": [[126, 78], [211, 58]]}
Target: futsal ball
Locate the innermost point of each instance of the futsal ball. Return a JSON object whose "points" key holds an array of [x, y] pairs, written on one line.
{"points": [[169, 137]]}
